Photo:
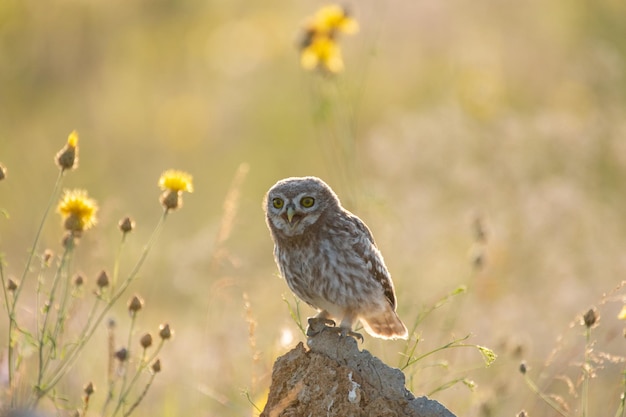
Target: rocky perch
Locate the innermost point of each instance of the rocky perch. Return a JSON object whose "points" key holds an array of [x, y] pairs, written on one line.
{"points": [[335, 378]]}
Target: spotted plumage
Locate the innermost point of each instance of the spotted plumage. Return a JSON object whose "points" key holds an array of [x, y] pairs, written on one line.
{"points": [[328, 257]]}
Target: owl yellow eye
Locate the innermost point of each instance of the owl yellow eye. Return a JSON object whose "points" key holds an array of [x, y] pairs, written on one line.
{"points": [[307, 202], [278, 203]]}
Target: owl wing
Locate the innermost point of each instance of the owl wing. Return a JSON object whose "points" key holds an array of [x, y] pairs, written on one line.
{"points": [[366, 249]]}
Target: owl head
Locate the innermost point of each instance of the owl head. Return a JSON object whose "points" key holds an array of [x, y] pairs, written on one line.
{"points": [[295, 204]]}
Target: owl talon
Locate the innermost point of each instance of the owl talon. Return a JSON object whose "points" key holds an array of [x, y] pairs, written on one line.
{"points": [[318, 325], [357, 336]]}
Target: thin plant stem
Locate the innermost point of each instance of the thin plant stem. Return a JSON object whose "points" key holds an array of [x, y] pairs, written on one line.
{"points": [[33, 249], [621, 410], [89, 331], [586, 370], [16, 294], [43, 362], [534, 388], [124, 392], [116, 265], [128, 344], [456, 343], [141, 396]]}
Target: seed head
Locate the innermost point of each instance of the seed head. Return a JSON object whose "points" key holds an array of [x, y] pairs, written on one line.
{"points": [[522, 368], [122, 355], [165, 332], [126, 225], [103, 280], [156, 366], [78, 280], [12, 285], [47, 256], [89, 389], [522, 413], [67, 158], [146, 341], [171, 200], [135, 304], [590, 318]]}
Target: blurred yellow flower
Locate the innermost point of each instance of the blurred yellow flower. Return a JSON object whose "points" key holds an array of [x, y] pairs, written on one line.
{"points": [[72, 139], [173, 183], [319, 47], [77, 210], [332, 18], [174, 180], [322, 52], [622, 314]]}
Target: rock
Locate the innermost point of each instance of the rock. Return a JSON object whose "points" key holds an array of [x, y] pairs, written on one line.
{"points": [[335, 378]]}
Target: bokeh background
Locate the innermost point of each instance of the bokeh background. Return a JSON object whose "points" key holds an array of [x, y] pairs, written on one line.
{"points": [[449, 115]]}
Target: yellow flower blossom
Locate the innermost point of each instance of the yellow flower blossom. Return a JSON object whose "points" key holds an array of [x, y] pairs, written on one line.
{"points": [[173, 183], [332, 18], [77, 210], [319, 47], [173, 180], [322, 52], [72, 139]]}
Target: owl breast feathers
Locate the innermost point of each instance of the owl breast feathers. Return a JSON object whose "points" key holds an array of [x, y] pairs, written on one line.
{"points": [[329, 259]]}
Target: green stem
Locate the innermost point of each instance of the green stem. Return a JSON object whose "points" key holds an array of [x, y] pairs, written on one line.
{"points": [[621, 410], [116, 265], [89, 331], [44, 362], [142, 366], [453, 344], [534, 388], [141, 397], [128, 343], [16, 294]]}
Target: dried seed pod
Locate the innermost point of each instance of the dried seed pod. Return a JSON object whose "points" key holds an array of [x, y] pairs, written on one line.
{"points": [[135, 304], [103, 279], [146, 340], [165, 332]]}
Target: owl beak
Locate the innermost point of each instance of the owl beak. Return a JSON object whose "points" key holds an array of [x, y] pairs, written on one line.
{"points": [[291, 210]]}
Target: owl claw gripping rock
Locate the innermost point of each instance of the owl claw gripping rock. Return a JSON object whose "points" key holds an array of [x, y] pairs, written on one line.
{"points": [[329, 259]]}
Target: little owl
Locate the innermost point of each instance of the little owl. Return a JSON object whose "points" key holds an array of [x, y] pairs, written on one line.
{"points": [[329, 259]]}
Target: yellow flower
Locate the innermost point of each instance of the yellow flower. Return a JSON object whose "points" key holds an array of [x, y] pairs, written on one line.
{"points": [[72, 139], [322, 52], [173, 180], [622, 314], [173, 183], [78, 210], [333, 18]]}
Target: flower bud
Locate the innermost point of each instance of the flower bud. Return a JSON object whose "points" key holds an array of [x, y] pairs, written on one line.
{"points": [[78, 280], [156, 366], [89, 389], [135, 304], [146, 341], [165, 332], [590, 318], [103, 280], [126, 225], [122, 355]]}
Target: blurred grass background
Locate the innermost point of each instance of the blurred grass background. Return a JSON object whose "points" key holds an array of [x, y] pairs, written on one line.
{"points": [[512, 112]]}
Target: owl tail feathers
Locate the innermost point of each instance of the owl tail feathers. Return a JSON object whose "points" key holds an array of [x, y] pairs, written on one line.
{"points": [[385, 325]]}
